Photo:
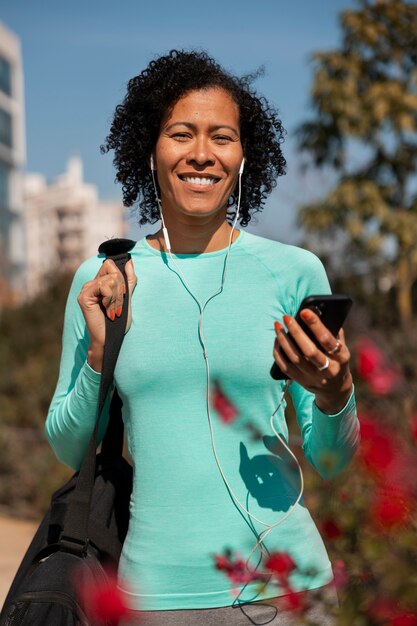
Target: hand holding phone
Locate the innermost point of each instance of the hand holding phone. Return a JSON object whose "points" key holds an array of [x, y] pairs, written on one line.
{"points": [[331, 309]]}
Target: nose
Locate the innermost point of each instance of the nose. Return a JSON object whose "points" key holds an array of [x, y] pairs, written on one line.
{"points": [[201, 155]]}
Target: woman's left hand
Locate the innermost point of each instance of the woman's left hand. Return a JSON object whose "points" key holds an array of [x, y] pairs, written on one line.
{"points": [[325, 372]]}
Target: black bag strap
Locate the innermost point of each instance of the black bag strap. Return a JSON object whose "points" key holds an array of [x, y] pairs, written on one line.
{"points": [[74, 537]]}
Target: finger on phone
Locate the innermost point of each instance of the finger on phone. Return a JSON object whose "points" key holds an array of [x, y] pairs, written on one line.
{"points": [[329, 343]]}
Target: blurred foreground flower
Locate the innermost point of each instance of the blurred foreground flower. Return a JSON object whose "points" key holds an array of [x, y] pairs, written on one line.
{"points": [[372, 365], [330, 529], [406, 619], [391, 509], [377, 449], [103, 602], [390, 613], [281, 565], [340, 574], [235, 568], [224, 407]]}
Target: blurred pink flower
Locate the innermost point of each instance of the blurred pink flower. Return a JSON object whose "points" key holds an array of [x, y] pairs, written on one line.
{"points": [[405, 619], [103, 602], [369, 358], [391, 509], [224, 407], [384, 381], [377, 448], [235, 568], [281, 564], [340, 575], [294, 601], [381, 376]]}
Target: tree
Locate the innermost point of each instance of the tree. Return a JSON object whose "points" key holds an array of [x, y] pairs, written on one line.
{"points": [[364, 100]]}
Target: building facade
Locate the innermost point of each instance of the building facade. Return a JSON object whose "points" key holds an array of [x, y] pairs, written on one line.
{"points": [[64, 223], [12, 158]]}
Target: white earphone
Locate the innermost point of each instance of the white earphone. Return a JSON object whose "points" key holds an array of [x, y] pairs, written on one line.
{"points": [[268, 527]]}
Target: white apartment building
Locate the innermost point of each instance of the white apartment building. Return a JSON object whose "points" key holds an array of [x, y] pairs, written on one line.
{"points": [[12, 158], [65, 223]]}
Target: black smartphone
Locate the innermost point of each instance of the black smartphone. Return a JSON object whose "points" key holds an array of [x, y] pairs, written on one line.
{"points": [[332, 310]]}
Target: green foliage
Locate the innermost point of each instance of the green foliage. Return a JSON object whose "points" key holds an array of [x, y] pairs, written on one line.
{"points": [[30, 346], [374, 545], [364, 100]]}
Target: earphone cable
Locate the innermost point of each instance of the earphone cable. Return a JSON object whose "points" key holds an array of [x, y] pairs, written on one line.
{"points": [[269, 527]]}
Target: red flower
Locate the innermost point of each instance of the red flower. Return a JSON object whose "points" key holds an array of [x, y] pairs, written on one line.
{"points": [[103, 602], [224, 407], [382, 609], [405, 619], [377, 449], [222, 562], [372, 366], [384, 381], [281, 564], [377, 454], [237, 570], [369, 358], [293, 601], [340, 575], [391, 509], [331, 529], [391, 613]]}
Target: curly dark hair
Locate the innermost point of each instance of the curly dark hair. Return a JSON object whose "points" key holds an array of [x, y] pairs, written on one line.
{"points": [[150, 97]]}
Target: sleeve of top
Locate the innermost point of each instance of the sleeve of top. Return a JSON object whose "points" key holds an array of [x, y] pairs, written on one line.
{"points": [[72, 413], [329, 441]]}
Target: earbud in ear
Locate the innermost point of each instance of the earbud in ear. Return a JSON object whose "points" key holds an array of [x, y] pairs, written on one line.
{"points": [[242, 165], [152, 162]]}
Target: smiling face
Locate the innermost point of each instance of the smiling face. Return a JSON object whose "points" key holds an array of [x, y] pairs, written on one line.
{"points": [[198, 154]]}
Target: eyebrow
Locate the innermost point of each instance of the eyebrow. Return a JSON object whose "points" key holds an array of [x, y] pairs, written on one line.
{"points": [[193, 127]]}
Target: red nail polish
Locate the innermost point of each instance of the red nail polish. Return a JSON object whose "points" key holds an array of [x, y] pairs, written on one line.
{"points": [[287, 319], [119, 311], [278, 327], [306, 315], [123, 288], [111, 315]]}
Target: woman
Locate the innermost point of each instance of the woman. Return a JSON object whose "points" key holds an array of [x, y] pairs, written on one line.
{"points": [[198, 148]]}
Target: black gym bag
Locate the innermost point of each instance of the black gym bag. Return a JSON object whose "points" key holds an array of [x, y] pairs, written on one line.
{"points": [[83, 531]]}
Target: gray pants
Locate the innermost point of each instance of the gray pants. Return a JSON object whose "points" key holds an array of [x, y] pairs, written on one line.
{"points": [[322, 605]]}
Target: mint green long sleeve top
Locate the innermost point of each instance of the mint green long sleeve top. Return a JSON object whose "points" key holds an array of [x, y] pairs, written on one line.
{"points": [[181, 513]]}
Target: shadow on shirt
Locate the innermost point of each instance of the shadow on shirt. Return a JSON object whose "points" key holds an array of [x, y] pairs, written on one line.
{"points": [[272, 479]]}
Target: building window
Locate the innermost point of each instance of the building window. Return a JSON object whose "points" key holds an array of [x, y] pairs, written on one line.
{"points": [[5, 76], [5, 128], [4, 184]]}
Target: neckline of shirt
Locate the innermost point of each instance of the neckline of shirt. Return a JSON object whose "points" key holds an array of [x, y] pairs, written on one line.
{"points": [[144, 242]]}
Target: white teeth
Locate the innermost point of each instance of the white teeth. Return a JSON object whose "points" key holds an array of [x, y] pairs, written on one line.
{"points": [[198, 181]]}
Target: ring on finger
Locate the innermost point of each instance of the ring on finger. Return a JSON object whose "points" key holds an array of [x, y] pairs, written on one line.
{"points": [[325, 366], [336, 349]]}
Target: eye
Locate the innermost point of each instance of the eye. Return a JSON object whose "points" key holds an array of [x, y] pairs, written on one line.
{"points": [[181, 136], [222, 139]]}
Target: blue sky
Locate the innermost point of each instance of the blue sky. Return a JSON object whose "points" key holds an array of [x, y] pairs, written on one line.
{"points": [[79, 55]]}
